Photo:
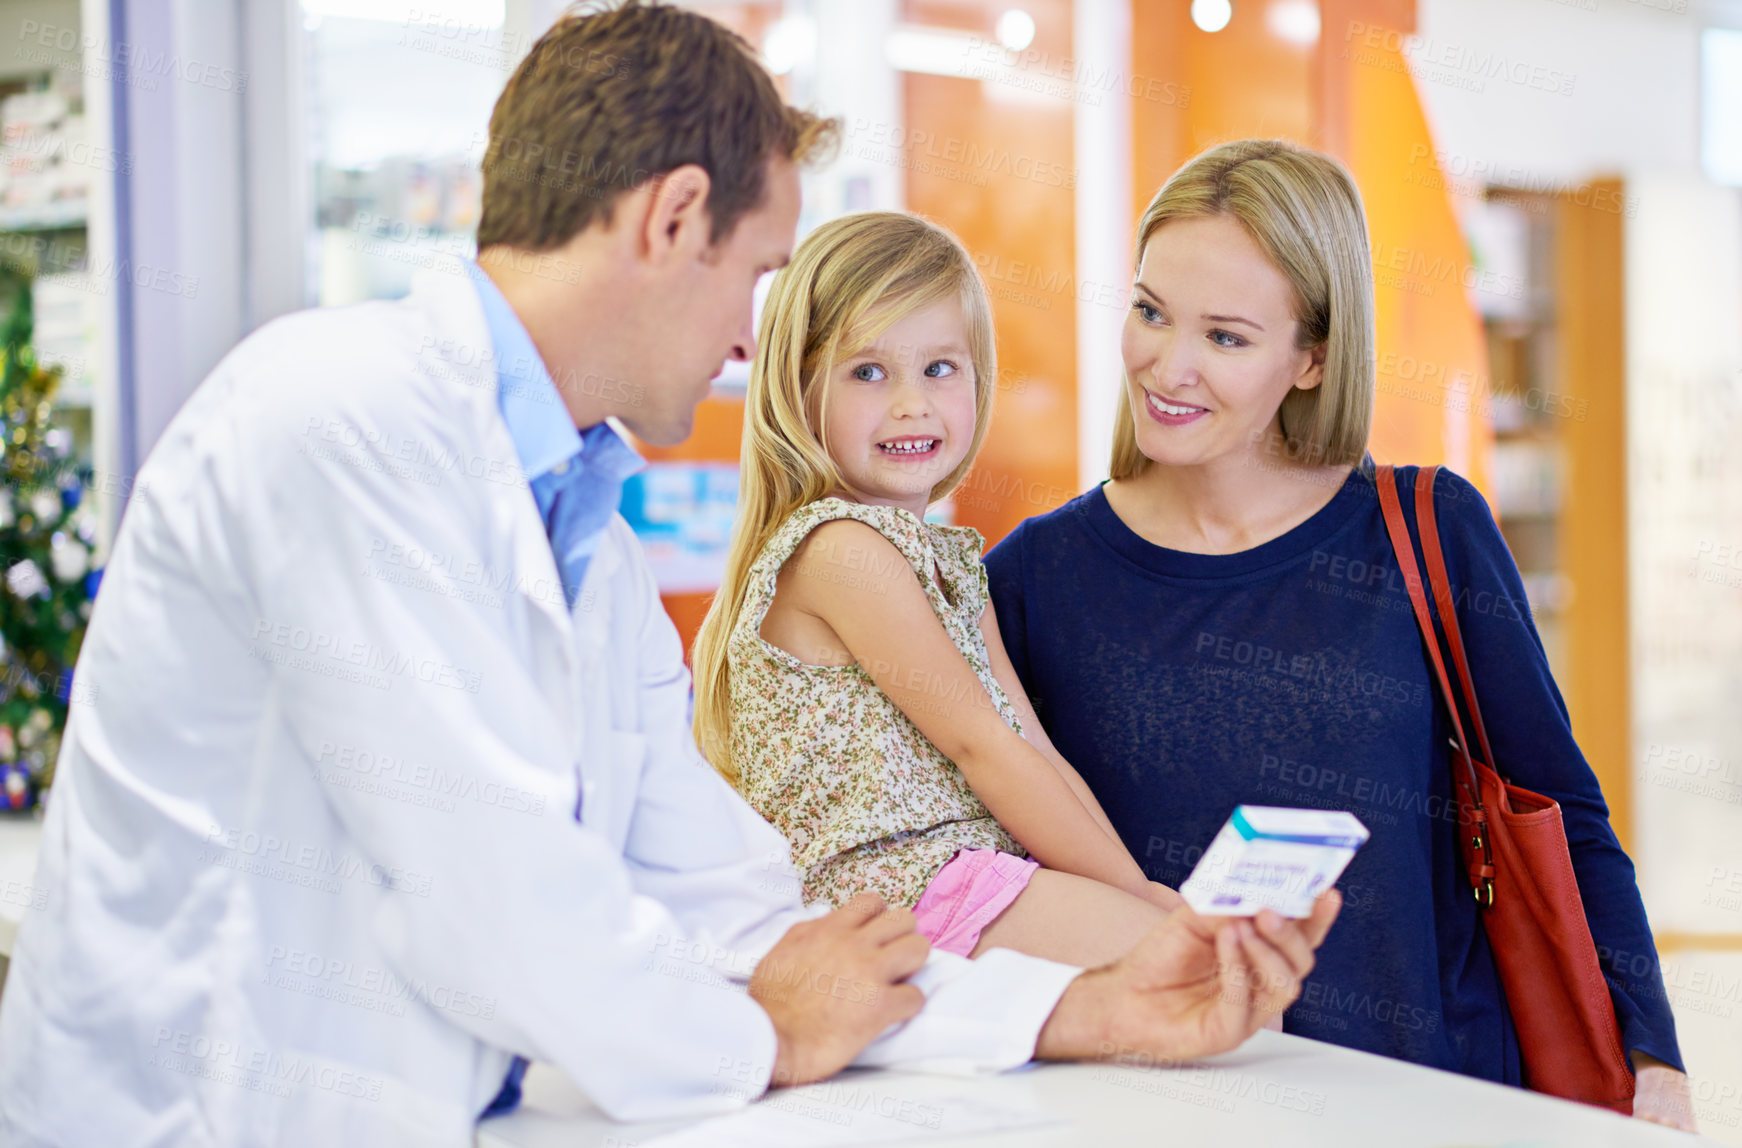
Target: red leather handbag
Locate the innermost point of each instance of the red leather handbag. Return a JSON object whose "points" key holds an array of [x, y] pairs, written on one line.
{"points": [[1521, 872]]}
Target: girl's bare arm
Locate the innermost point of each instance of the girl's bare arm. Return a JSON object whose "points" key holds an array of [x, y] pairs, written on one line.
{"points": [[1032, 730], [882, 618], [1005, 672]]}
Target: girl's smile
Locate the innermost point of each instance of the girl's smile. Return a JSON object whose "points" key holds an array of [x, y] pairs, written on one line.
{"points": [[910, 448]]}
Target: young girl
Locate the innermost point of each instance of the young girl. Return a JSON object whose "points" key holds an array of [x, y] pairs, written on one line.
{"points": [[850, 679]]}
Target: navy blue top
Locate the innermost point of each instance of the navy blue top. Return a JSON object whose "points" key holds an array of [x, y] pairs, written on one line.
{"points": [[1181, 685]]}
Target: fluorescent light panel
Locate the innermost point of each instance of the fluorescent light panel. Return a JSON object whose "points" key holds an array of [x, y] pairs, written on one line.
{"points": [[1721, 97], [466, 13]]}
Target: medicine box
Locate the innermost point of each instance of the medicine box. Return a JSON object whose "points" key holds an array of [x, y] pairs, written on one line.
{"points": [[1267, 857]]}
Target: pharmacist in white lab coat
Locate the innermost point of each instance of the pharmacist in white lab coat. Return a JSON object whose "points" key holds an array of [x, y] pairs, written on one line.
{"points": [[387, 783]]}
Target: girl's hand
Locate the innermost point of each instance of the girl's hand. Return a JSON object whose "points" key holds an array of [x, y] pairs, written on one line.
{"points": [[1161, 896], [1660, 1093]]}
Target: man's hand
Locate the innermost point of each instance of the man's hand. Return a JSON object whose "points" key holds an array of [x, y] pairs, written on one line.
{"points": [[1660, 1093], [832, 985], [1194, 986]]}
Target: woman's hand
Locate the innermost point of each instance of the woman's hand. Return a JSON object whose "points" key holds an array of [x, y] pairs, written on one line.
{"points": [[1660, 1093]]}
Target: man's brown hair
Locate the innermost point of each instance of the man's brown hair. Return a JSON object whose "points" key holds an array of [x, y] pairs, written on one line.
{"points": [[608, 99]]}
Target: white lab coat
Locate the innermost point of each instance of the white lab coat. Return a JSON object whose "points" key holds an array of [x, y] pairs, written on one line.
{"points": [[311, 863]]}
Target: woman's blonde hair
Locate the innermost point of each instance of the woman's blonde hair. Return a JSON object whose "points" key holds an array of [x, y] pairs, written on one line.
{"points": [[848, 282], [1304, 212]]}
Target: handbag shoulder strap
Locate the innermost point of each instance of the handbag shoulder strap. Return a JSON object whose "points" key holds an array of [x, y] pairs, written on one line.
{"points": [[1448, 610], [1480, 859]]}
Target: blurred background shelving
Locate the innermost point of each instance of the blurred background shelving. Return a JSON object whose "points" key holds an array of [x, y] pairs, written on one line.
{"points": [[394, 183], [1511, 236], [49, 161]]}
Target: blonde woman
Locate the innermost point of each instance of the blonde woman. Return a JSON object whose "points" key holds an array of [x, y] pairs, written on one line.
{"points": [[849, 676], [1224, 621]]}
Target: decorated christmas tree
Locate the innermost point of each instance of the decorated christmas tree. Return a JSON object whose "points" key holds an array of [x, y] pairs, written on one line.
{"points": [[46, 581]]}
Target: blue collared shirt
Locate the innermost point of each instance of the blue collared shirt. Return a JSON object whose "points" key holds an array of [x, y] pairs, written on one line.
{"points": [[576, 476]]}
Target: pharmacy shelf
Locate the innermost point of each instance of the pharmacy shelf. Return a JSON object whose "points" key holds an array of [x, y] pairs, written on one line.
{"points": [[46, 217]]}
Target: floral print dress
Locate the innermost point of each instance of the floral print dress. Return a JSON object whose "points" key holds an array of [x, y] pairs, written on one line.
{"points": [[866, 800]]}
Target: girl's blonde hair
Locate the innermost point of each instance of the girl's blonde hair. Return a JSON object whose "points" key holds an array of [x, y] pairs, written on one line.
{"points": [[1304, 212], [848, 282]]}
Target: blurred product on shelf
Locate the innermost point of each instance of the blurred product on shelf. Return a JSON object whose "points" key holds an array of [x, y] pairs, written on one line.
{"points": [[382, 223], [682, 513], [48, 165], [47, 161], [1498, 280], [67, 319], [1527, 478], [395, 182]]}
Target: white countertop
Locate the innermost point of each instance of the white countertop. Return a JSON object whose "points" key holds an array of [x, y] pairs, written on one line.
{"points": [[20, 835], [1277, 1091]]}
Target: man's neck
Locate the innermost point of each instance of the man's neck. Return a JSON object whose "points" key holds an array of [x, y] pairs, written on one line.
{"points": [[555, 297]]}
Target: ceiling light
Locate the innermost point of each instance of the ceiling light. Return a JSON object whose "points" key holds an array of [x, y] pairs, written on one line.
{"points": [[935, 51], [452, 13], [1212, 15], [1016, 29], [1296, 21], [790, 41]]}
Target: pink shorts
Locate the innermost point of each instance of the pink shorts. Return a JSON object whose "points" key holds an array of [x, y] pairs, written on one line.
{"points": [[967, 894]]}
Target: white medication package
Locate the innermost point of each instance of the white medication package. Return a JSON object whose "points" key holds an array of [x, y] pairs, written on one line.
{"points": [[1271, 858]]}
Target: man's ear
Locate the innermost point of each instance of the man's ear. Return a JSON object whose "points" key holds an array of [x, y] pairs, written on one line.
{"points": [[1314, 372], [678, 221]]}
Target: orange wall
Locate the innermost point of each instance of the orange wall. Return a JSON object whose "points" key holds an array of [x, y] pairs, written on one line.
{"points": [[718, 431], [1009, 193], [1432, 352]]}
